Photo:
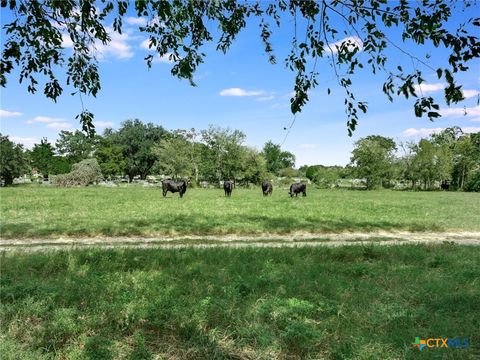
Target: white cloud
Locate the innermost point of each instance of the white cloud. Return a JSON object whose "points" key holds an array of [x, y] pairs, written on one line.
{"points": [[279, 106], [265, 98], [66, 41], [424, 132], [309, 146], [168, 58], [421, 132], [59, 125], [136, 20], [470, 93], [28, 142], [6, 113], [240, 92], [145, 44], [428, 88], [103, 124], [350, 42], [459, 112], [45, 119], [470, 129], [118, 47]]}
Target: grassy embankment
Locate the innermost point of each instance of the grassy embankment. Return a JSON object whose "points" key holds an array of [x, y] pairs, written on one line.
{"points": [[53, 212], [352, 302]]}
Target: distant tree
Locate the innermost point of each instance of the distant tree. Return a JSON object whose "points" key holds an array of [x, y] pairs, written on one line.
{"points": [[466, 159], [174, 157], [41, 157], [288, 172], [372, 158], [75, 146], [223, 153], [254, 167], [110, 157], [59, 165], [181, 30], [12, 160], [137, 140], [276, 158]]}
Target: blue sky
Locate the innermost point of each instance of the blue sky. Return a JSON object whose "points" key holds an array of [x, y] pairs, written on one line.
{"points": [[239, 90]]}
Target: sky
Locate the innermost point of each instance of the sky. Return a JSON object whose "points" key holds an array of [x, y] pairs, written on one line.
{"points": [[240, 90]]}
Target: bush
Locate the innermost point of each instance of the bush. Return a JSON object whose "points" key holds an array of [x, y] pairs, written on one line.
{"points": [[473, 183], [83, 173]]}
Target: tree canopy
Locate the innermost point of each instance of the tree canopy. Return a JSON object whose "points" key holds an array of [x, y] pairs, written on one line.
{"points": [[182, 29]]}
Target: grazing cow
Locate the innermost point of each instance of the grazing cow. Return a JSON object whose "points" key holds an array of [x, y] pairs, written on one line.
{"points": [[267, 188], [174, 186], [445, 185], [228, 187], [298, 188]]}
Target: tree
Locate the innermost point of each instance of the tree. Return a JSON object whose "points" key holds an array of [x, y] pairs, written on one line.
{"points": [[372, 157], [223, 153], [466, 159], [136, 140], [12, 160], [431, 163], [75, 146], [110, 157], [42, 156], [276, 158], [254, 169], [181, 30], [174, 157]]}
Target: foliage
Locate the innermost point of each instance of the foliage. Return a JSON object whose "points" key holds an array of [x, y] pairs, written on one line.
{"points": [[41, 157], [131, 210], [224, 149], [83, 173], [110, 157], [12, 160], [182, 29], [325, 176], [372, 157], [175, 156], [276, 158], [75, 146], [256, 303], [137, 140]]}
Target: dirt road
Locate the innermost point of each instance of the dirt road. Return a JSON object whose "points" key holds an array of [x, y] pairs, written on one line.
{"points": [[238, 241]]}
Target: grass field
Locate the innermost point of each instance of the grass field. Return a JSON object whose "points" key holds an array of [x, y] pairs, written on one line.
{"points": [[353, 302], [53, 212]]}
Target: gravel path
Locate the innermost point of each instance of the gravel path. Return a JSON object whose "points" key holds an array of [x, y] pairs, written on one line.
{"points": [[238, 241]]}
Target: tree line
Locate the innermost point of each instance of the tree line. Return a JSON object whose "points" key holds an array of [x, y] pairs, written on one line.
{"points": [[140, 149], [137, 150]]}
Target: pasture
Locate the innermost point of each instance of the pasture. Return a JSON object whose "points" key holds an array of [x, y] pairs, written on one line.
{"points": [[352, 302], [32, 211]]}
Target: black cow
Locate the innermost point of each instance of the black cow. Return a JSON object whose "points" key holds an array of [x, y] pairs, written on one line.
{"points": [[298, 188], [267, 188], [174, 186], [228, 187], [445, 185]]}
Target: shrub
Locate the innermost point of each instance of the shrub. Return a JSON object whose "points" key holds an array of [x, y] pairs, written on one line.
{"points": [[473, 183], [83, 173]]}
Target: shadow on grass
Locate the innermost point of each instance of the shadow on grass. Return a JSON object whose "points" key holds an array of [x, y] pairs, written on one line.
{"points": [[207, 225], [232, 304]]}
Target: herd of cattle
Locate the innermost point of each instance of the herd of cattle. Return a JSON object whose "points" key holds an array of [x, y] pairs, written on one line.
{"points": [[267, 188]]}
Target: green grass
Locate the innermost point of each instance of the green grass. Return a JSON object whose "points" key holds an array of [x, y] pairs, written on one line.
{"points": [[354, 302], [53, 212]]}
